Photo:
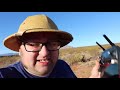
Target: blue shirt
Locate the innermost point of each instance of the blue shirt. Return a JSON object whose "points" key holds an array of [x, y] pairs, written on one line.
{"points": [[16, 70]]}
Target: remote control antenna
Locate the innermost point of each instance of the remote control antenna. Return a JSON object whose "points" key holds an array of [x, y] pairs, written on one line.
{"points": [[112, 44], [100, 46]]}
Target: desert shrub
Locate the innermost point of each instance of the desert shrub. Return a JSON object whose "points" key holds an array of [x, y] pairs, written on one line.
{"points": [[71, 58]]}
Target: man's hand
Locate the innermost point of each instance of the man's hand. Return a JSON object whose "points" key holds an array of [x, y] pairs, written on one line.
{"points": [[97, 71]]}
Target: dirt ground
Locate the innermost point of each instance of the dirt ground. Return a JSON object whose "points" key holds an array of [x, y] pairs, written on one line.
{"points": [[83, 70]]}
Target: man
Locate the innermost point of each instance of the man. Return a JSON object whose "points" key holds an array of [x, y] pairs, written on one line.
{"points": [[38, 41]]}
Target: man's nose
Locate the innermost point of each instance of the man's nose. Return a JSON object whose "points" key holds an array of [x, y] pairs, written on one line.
{"points": [[44, 51]]}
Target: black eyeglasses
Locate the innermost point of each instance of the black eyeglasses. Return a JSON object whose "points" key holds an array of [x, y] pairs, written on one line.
{"points": [[37, 46]]}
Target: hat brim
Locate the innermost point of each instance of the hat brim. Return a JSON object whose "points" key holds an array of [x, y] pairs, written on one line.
{"points": [[13, 43]]}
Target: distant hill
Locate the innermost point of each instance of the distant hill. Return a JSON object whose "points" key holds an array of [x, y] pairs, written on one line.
{"points": [[9, 54], [65, 47]]}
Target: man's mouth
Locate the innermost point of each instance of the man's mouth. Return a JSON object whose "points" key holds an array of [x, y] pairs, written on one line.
{"points": [[43, 61]]}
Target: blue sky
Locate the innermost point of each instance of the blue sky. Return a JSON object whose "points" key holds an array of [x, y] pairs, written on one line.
{"points": [[86, 27]]}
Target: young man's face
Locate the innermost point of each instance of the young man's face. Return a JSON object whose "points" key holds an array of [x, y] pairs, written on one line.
{"points": [[39, 63]]}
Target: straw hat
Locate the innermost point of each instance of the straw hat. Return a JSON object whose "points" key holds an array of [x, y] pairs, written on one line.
{"points": [[36, 23]]}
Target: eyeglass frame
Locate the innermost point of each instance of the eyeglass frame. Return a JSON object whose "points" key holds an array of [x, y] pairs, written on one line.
{"points": [[43, 44]]}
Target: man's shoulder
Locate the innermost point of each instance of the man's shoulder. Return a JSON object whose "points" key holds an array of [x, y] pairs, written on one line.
{"points": [[9, 67], [62, 62], [6, 71], [9, 71]]}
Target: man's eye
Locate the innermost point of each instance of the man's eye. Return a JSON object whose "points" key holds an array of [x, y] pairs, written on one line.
{"points": [[55, 43], [33, 44]]}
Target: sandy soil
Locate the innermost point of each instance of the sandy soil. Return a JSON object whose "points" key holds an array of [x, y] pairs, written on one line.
{"points": [[83, 70]]}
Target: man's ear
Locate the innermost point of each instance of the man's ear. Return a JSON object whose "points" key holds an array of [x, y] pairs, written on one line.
{"points": [[20, 51], [19, 54]]}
